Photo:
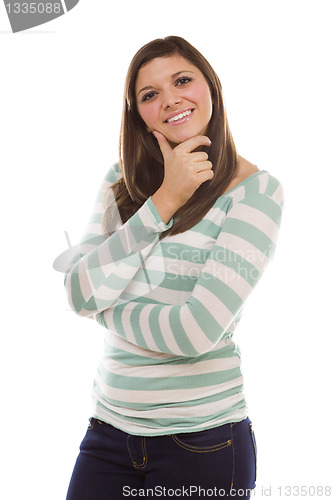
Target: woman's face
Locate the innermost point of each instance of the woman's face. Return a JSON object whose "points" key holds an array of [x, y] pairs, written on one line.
{"points": [[173, 97]]}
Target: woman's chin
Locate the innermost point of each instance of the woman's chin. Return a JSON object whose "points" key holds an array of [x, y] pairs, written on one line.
{"points": [[176, 139]]}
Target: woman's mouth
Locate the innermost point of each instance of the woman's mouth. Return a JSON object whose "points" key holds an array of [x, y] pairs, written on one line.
{"points": [[180, 118]]}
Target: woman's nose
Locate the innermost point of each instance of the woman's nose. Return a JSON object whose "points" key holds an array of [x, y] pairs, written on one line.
{"points": [[171, 98]]}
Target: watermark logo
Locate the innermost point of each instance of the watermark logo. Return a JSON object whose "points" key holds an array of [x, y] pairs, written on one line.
{"points": [[24, 15]]}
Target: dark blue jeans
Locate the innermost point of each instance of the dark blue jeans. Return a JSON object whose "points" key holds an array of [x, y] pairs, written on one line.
{"points": [[215, 463]]}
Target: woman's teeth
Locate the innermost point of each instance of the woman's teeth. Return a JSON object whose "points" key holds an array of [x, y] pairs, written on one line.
{"points": [[178, 117]]}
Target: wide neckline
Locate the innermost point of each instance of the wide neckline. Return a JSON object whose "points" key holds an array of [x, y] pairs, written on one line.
{"points": [[233, 189], [241, 183]]}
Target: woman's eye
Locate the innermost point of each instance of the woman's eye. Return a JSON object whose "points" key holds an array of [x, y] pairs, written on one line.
{"points": [[183, 79], [148, 96]]}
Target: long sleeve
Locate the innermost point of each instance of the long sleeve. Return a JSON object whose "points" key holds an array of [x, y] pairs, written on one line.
{"points": [[104, 266], [235, 264]]}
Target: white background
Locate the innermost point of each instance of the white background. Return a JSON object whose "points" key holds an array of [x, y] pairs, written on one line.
{"points": [[61, 98]]}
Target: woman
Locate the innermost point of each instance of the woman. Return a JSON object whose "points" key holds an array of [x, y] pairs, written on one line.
{"points": [[187, 231]]}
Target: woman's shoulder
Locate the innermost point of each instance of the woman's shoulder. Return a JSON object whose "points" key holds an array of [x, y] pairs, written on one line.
{"points": [[250, 182], [245, 168]]}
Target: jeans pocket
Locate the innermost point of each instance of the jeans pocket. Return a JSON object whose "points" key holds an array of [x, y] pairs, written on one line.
{"points": [[254, 449], [204, 441]]}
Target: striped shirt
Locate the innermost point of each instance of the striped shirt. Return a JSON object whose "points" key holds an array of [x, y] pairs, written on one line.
{"points": [[171, 306]]}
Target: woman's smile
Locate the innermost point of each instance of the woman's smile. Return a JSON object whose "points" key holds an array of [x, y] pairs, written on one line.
{"points": [[177, 119]]}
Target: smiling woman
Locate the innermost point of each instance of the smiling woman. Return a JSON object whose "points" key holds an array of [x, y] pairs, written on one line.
{"points": [[185, 233]]}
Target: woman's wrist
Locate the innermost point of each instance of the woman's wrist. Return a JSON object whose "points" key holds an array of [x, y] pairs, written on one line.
{"points": [[164, 205]]}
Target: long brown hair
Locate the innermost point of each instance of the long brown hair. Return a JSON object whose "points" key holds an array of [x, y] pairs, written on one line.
{"points": [[140, 158]]}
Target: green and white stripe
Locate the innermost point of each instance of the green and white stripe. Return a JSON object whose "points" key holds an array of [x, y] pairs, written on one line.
{"points": [[171, 307]]}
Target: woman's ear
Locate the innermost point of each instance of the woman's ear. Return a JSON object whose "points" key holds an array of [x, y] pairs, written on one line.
{"points": [[148, 129]]}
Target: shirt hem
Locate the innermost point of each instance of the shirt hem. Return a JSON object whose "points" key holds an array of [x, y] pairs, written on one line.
{"points": [[169, 431]]}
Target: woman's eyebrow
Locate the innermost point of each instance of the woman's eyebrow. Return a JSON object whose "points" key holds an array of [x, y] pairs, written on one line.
{"points": [[172, 77]]}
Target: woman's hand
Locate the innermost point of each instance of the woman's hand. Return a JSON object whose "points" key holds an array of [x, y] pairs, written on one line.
{"points": [[184, 171]]}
